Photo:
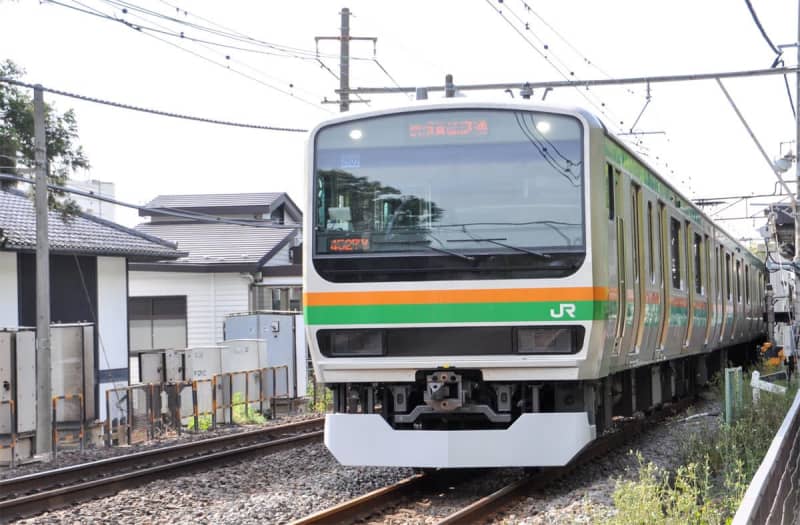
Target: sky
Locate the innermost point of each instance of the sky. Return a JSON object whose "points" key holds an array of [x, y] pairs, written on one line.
{"points": [[697, 142]]}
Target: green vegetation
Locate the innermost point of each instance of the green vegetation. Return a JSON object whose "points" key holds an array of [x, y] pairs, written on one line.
{"points": [[17, 151], [716, 472], [244, 415], [324, 398]]}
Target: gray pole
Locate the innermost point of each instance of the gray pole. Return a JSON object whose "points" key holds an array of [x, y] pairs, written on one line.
{"points": [[44, 431], [797, 174], [344, 62]]}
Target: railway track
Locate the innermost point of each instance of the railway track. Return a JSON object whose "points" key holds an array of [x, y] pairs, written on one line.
{"points": [[32, 494], [377, 502]]}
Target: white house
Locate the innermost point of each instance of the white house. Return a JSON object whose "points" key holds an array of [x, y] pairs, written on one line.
{"points": [[89, 259], [250, 264]]}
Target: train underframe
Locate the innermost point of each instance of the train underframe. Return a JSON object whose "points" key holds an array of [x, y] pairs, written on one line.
{"points": [[459, 399]]}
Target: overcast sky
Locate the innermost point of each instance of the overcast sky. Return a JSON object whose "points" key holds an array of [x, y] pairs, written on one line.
{"points": [[705, 150]]}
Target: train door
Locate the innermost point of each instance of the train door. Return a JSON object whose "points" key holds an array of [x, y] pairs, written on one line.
{"points": [[663, 249], [710, 292], [620, 264], [612, 323], [651, 314], [691, 272], [678, 300], [699, 299], [637, 271], [737, 299], [728, 313]]}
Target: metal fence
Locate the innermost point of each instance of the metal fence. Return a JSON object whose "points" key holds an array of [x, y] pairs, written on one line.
{"points": [[773, 496], [75, 430], [194, 406]]}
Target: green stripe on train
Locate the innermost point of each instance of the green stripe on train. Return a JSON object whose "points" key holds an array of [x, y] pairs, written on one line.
{"points": [[455, 313]]}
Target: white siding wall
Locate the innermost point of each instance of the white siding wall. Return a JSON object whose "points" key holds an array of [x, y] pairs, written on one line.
{"points": [[209, 298], [9, 311], [112, 321], [112, 312]]}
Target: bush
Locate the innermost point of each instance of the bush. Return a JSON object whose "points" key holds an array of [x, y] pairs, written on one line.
{"points": [[718, 468]]}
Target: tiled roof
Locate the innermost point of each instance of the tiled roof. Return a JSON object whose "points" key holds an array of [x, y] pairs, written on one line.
{"points": [[215, 200], [80, 234], [219, 243]]}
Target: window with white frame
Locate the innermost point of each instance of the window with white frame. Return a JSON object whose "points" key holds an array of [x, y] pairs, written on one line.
{"points": [[157, 322], [276, 298]]}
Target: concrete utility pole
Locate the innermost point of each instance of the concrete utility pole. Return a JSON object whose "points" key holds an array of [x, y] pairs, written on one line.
{"points": [[44, 431], [797, 173], [344, 59]]}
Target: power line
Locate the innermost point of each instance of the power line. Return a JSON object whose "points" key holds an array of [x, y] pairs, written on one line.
{"points": [[203, 217], [547, 59], [95, 100], [761, 28], [146, 30]]}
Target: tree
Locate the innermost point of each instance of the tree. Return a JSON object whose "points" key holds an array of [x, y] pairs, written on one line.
{"points": [[17, 152]]}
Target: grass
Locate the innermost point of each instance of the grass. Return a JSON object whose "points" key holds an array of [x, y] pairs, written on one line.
{"points": [[717, 469]]}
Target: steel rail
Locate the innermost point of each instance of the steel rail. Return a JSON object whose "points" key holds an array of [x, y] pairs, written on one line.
{"points": [[57, 488], [494, 503], [362, 506]]}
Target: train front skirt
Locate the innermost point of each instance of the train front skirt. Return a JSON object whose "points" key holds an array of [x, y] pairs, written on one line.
{"points": [[542, 439]]}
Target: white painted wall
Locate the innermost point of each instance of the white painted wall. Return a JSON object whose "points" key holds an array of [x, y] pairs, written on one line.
{"points": [[9, 302], [112, 323], [112, 313], [209, 298]]}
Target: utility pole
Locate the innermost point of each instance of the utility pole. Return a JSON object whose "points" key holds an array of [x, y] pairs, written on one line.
{"points": [[344, 59], [44, 431]]}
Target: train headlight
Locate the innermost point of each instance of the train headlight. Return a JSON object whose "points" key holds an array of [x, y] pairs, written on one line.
{"points": [[549, 339], [351, 343]]}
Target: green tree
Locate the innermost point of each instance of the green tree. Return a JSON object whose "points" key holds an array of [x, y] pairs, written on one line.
{"points": [[17, 153]]}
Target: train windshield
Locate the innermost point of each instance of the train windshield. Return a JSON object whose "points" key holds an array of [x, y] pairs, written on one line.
{"points": [[458, 185]]}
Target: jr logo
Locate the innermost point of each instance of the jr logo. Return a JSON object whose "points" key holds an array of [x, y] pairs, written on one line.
{"points": [[568, 309]]}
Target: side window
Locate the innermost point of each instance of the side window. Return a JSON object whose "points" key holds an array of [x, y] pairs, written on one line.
{"points": [[747, 283], [729, 293], [698, 275], [738, 281], [675, 252], [610, 191], [636, 252], [651, 266]]}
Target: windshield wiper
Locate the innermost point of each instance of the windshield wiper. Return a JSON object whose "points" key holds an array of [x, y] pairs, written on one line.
{"points": [[504, 245], [429, 247]]}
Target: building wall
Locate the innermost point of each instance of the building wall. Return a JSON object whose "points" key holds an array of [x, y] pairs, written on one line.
{"points": [[112, 324], [209, 298], [9, 308]]}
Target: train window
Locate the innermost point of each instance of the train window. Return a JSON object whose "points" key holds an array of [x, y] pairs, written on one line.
{"points": [[707, 258], [747, 284], [636, 251], [698, 276], [738, 282], [728, 276], [675, 252], [650, 255], [610, 191]]}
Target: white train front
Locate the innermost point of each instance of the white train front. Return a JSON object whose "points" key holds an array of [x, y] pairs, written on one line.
{"points": [[490, 284]]}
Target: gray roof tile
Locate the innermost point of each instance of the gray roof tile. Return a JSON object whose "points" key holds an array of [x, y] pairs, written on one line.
{"points": [[80, 234], [214, 200], [219, 243]]}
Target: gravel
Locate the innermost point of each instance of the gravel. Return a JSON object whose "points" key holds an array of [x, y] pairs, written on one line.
{"points": [[66, 458], [273, 489], [291, 484], [586, 496]]}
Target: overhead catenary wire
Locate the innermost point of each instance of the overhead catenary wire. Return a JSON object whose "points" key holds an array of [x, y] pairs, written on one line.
{"points": [[151, 111], [148, 31]]}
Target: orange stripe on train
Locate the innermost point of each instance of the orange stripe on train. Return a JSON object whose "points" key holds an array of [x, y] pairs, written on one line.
{"points": [[503, 295]]}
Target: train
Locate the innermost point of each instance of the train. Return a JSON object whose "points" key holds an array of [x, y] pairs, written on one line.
{"points": [[493, 284]]}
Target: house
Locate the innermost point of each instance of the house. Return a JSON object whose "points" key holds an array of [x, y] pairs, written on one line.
{"points": [[89, 279], [243, 255]]}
